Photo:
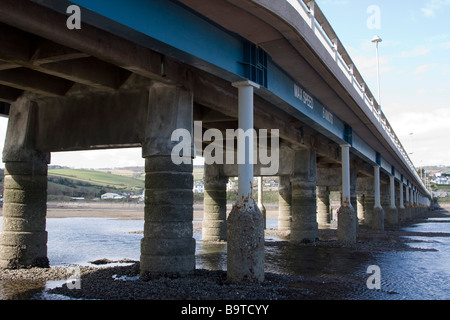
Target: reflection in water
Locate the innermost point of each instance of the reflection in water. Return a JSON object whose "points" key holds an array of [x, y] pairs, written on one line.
{"points": [[326, 271]]}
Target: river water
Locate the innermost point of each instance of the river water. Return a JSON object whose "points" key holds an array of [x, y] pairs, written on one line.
{"points": [[405, 275]]}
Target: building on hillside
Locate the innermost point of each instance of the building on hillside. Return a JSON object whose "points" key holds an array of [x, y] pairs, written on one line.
{"points": [[108, 196]]}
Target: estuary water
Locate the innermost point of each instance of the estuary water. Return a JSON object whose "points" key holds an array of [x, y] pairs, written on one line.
{"points": [[405, 275]]}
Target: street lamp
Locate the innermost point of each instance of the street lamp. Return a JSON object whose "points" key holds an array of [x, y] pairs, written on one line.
{"points": [[377, 40]]}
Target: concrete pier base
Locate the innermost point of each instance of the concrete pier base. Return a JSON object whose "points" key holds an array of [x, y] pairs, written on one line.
{"points": [[378, 219], [401, 215], [323, 206], [304, 226], [360, 203], [392, 217], [284, 204], [214, 226], [245, 246], [168, 248], [407, 212], [346, 230], [23, 240]]}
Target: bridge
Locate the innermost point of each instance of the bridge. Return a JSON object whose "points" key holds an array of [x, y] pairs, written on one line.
{"points": [[86, 75]]}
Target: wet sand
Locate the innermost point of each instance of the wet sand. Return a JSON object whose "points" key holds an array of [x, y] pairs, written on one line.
{"points": [[118, 210]]}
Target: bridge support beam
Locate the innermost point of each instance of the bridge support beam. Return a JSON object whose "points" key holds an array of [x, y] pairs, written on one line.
{"points": [[23, 239], [284, 203], [346, 214], [214, 227], [245, 224], [378, 213], [304, 227], [168, 246]]}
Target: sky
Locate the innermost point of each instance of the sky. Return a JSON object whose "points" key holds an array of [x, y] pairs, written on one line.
{"points": [[414, 66], [414, 62]]}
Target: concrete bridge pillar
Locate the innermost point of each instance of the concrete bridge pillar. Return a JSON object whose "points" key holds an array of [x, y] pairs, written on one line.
{"points": [[284, 203], [23, 239], [214, 227], [168, 246], [378, 213], [366, 192], [323, 206], [346, 213], [360, 199], [384, 199], [392, 213], [304, 227], [412, 203], [328, 190], [353, 193], [245, 224], [407, 204], [260, 200], [418, 205], [401, 207]]}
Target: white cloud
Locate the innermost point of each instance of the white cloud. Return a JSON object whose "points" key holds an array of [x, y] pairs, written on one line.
{"points": [[445, 45], [416, 52], [424, 68], [430, 134], [432, 6]]}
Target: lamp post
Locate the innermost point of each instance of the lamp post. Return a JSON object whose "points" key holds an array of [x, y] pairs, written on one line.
{"points": [[377, 40]]}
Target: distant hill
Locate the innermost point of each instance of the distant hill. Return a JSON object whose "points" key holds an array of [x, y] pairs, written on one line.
{"points": [[89, 183], [443, 169]]}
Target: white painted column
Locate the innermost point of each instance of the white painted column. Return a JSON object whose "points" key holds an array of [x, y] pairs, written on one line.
{"points": [[376, 185], [346, 174], [392, 192], [401, 209], [392, 213], [245, 224], [402, 206], [245, 151], [346, 213], [408, 204], [378, 213]]}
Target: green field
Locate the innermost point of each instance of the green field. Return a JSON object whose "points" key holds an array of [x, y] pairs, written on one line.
{"points": [[98, 178]]}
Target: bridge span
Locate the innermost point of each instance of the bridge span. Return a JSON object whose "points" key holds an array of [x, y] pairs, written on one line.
{"points": [[135, 72]]}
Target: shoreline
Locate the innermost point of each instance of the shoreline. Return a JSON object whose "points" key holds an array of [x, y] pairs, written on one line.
{"points": [[119, 210]]}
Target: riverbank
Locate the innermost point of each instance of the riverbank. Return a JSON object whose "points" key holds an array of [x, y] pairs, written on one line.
{"points": [[120, 281]]}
